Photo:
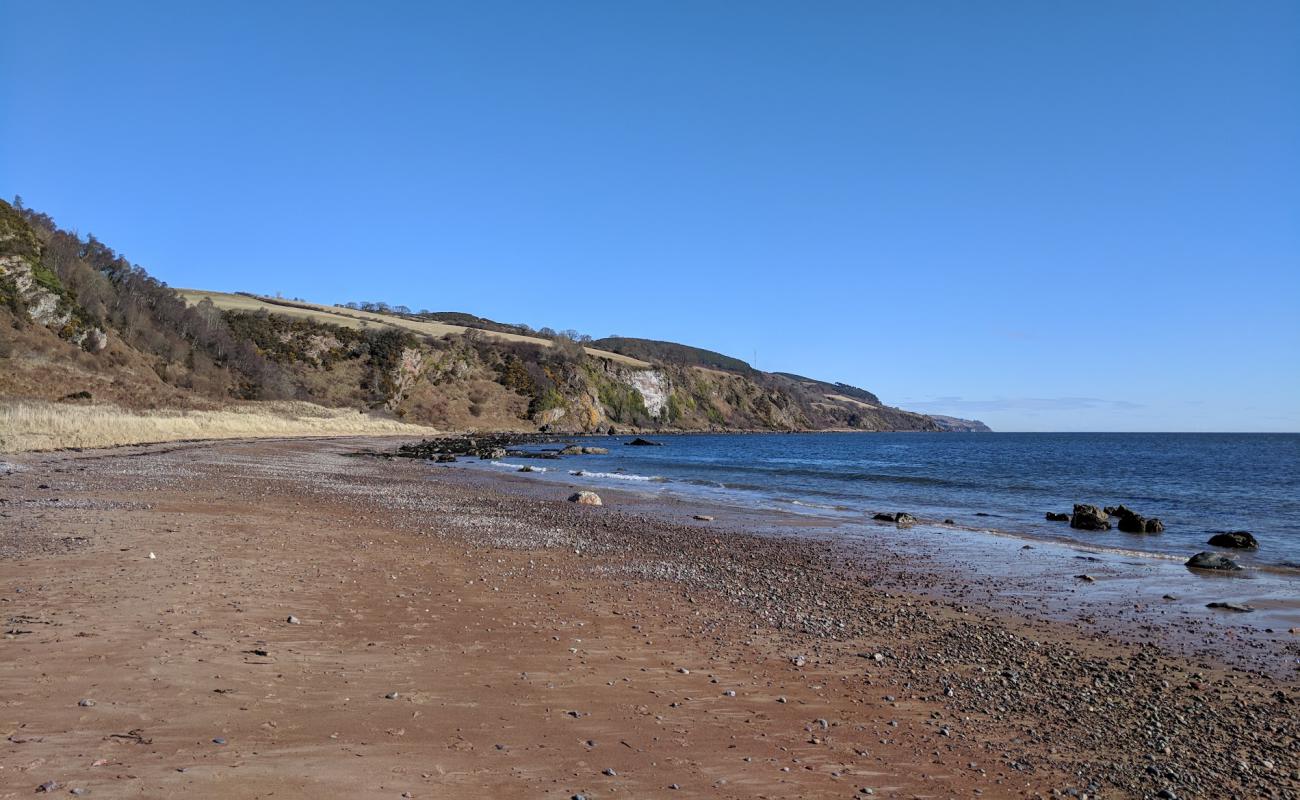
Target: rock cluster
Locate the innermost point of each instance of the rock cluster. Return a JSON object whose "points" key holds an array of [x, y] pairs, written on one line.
{"points": [[1091, 518]]}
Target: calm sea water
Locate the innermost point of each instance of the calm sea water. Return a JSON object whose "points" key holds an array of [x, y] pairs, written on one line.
{"points": [[1196, 483]]}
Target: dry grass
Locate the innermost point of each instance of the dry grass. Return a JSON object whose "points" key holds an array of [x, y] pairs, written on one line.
{"points": [[36, 425], [364, 319]]}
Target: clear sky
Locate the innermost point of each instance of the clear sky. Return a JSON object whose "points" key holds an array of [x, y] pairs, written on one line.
{"points": [[1048, 215]]}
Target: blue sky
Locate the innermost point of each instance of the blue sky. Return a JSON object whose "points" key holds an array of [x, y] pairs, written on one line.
{"points": [[1050, 216]]}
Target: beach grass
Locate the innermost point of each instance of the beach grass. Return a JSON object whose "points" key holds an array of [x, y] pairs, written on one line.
{"points": [[27, 425]]}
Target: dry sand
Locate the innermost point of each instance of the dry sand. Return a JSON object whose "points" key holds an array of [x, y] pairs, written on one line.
{"points": [[453, 639]]}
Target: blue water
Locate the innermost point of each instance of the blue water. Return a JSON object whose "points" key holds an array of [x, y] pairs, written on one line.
{"points": [[1195, 483]]}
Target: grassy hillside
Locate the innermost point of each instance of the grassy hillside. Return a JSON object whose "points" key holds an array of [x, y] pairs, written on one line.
{"points": [[350, 318], [84, 325]]}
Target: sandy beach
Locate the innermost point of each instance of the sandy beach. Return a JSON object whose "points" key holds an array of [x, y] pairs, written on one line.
{"points": [[293, 619]]}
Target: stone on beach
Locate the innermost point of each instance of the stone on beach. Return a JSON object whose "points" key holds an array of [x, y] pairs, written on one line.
{"points": [[585, 498], [1215, 561], [898, 517], [1238, 607]]}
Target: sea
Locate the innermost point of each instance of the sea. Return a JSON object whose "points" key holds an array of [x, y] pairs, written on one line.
{"points": [[1196, 483]]}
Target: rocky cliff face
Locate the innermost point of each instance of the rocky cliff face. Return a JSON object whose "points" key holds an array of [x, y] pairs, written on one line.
{"points": [[33, 292], [958, 425]]}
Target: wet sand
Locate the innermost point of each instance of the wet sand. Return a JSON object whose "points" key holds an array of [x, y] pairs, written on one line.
{"points": [[460, 634]]}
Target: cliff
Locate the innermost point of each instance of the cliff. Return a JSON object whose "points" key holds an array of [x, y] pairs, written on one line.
{"points": [[82, 322]]}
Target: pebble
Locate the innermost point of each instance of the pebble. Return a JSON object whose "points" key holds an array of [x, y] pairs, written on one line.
{"points": [[219, 740], [729, 693], [391, 696], [292, 620], [86, 703]]}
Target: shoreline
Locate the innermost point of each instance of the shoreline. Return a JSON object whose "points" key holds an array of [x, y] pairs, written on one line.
{"points": [[1124, 600], [531, 644], [1194, 519]]}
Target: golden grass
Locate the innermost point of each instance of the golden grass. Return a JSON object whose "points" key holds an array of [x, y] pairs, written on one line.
{"points": [[38, 425], [365, 319]]}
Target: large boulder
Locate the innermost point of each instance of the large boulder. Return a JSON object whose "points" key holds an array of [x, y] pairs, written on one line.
{"points": [[585, 498], [1089, 518], [1237, 540], [1214, 561]]}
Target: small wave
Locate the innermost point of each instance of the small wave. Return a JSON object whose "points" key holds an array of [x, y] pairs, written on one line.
{"points": [[622, 476], [805, 504], [516, 467]]}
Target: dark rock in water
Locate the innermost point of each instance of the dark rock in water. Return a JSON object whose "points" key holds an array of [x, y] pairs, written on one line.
{"points": [[1052, 516], [949, 522], [1133, 523], [899, 517], [526, 468], [445, 458], [1089, 518], [1238, 607], [639, 442], [1215, 561], [1237, 540], [579, 450]]}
